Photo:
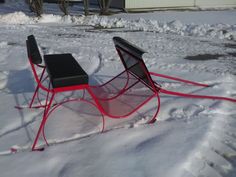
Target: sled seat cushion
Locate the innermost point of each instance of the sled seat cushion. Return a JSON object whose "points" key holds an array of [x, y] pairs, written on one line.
{"points": [[64, 70]]}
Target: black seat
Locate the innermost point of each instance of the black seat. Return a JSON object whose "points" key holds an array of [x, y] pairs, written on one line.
{"points": [[63, 70], [33, 51]]}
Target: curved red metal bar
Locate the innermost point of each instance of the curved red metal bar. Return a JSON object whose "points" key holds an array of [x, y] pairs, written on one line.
{"points": [[157, 111], [119, 116], [49, 101], [189, 95], [149, 84], [66, 101], [136, 70], [38, 80], [197, 96], [120, 91], [39, 101], [178, 79]]}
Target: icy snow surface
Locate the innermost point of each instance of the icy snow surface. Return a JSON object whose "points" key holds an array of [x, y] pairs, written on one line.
{"points": [[191, 138]]}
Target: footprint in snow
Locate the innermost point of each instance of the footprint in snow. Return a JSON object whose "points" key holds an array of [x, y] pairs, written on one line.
{"points": [[187, 113], [3, 79]]}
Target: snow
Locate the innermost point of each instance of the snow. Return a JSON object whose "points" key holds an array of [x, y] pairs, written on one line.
{"points": [[222, 31], [192, 137], [188, 17]]}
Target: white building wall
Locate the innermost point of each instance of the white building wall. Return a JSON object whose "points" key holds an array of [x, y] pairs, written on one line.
{"points": [[157, 3], [216, 3], [133, 4]]}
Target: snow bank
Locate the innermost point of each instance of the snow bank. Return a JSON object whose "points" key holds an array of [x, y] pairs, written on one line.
{"points": [[221, 31], [50, 18], [15, 18]]}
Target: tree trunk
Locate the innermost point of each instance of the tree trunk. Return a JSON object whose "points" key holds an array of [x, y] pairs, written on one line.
{"points": [[86, 7], [104, 6], [63, 5], [36, 6]]}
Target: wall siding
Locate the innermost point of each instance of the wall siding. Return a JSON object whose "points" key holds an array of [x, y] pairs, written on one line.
{"points": [[157, 3], [216, 3], [133, 4]]}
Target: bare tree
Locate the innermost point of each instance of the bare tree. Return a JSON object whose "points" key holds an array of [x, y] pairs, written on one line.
{"points": [[86, 7], [36, 6], [63, 5], [104, 6]]}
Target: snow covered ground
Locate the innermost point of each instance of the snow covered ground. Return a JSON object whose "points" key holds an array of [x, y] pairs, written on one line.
{"points": [[192, 137]]}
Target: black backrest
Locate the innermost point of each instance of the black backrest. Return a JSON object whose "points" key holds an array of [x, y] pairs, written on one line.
{"points": [[28, 50], [32, 50], [131, 57]]}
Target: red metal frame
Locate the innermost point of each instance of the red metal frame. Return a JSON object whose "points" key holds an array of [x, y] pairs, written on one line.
{"points": [[125, 88], [140, 61], [119, 92], [180, 94], [49, 107], [153, 88]]}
